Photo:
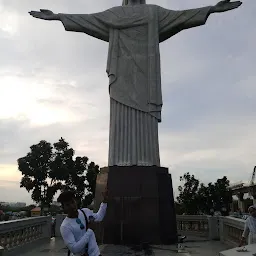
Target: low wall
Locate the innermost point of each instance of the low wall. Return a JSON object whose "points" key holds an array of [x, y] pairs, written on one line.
{"points": [[190, 225], [198, 225], [226, 229], [231, 230], [19, 236]]}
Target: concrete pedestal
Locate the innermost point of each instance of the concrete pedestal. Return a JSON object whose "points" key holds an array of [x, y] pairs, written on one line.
{"points": [[141, 207]]}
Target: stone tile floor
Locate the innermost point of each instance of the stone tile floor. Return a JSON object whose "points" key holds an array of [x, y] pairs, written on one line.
{"points": [[197, 247]]}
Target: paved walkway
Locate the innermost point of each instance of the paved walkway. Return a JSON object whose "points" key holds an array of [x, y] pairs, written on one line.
{"points": [[206, 248], [197, 247], [55, 248]]}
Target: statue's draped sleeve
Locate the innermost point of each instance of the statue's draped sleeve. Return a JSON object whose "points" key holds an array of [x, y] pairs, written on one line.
{"points": [[99, 24], [172, 22], [90, 24]]}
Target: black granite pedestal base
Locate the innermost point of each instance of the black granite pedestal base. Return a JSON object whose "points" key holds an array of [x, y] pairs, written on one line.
{"points": [[141, 206]]}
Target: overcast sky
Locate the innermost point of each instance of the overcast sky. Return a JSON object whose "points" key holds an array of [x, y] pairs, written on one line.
{"points": [[53, 83]]}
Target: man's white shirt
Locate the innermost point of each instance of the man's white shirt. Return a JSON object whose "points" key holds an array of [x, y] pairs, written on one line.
{"points": [[76, 238]]}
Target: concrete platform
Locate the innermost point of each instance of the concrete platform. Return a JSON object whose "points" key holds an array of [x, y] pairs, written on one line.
{"points": [[194, 246], [55, 248], [251, 250], [206, 248]]}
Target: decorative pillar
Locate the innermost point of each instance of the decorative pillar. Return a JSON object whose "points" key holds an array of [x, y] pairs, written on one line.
{"points": [[213, 228], [254, 197], [253, 193], [1, 251], [241, 205], [59, 220], [232, 208]]}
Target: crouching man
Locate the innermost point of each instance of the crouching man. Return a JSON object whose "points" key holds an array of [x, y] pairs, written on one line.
{"points": [[75, 229]]}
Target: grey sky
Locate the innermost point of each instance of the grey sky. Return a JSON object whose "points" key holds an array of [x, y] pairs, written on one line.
{"points": [[53, 83]]}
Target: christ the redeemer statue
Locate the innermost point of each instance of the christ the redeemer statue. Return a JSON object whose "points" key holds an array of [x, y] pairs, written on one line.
{"points": [[134, 31]]}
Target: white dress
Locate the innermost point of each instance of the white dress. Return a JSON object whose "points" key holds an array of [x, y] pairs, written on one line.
{"points": [[252, 238], [133, 138], [250, 230]]}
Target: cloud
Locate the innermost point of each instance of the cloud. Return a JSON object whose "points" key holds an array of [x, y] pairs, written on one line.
{"points": [[53, 83]]}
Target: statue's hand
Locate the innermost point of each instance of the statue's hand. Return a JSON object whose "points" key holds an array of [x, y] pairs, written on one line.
{"points": [[226, 5], [44, 15]]}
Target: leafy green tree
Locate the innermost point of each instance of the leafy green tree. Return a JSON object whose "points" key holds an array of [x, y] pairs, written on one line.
{"points": [[188, 193], [178, 208], [69, 170], [38, 177], [204, 200], [222, 195], [47, 169], [195, 199], [91, 177]]}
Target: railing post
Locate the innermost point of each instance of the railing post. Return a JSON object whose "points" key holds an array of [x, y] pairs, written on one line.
{"points": [[213, 228], [221, 228], [47, 229], [1, 251], [59, 220]]}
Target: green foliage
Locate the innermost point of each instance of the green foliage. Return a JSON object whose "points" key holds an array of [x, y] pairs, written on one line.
{"points": [[196, 199], [188, 193], [47, 169], [178, 208], [91, 176]]}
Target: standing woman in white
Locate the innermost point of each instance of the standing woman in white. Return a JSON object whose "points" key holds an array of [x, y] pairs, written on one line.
{"points": [[250, 227]]}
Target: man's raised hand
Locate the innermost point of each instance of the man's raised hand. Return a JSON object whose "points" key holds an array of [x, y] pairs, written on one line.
{"points": [[226, 5], [44, 15]]}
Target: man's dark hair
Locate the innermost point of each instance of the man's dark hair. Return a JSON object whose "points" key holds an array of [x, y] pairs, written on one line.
{"points": [[66, 196]]}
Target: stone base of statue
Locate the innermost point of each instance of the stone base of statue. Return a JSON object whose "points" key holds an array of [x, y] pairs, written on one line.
{"points": [[141, 206]]}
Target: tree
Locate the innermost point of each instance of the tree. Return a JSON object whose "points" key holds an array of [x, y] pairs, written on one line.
{"points": [[188, 193], [222, 195], [195, 199], [47, 169], [91, 177], [178, 208], [205, 203]]}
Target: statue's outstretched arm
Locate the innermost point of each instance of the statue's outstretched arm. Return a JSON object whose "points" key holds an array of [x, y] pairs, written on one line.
{"points": [[90, 24], [45, 15], [224, 6], [172, 22]]}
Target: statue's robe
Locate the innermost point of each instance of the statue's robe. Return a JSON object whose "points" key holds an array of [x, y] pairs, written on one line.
{"points": [[133, 67]]}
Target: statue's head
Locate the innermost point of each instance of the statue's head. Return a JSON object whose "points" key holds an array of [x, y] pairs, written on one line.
{"points": [[125, 2]]}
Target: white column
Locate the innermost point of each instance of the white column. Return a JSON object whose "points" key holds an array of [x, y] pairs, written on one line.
{"points": [[221, 229], [241, 201], [47, 228], [213, 228], [1, 251], [59, 220]]}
